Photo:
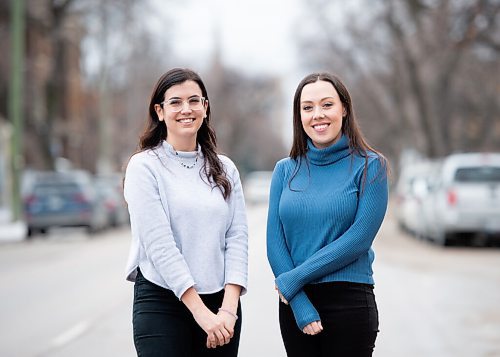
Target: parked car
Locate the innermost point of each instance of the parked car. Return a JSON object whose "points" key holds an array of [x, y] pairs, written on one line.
{"points": [[110, 192], [464, 199], [256, 186], [411, 191], [62, 199]]}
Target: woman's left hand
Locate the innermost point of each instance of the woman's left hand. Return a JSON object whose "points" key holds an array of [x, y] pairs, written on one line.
{"points": [[282, 298], [313, 328], [228, 320]]}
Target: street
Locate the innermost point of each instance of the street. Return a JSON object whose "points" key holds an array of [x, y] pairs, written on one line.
{"points": [[65, 295]]}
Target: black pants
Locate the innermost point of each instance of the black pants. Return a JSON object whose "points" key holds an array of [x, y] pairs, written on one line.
{"points": [[163, 325], [349, 316]]}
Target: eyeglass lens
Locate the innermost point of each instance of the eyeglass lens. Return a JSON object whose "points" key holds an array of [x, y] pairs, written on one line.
{"points": [[176, 104]]}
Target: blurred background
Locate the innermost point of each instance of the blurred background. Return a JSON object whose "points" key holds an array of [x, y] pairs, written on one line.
{"points": [[75, 81]]}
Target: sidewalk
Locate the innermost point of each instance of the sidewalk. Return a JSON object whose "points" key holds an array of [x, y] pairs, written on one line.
{"points": [[11, 231]]}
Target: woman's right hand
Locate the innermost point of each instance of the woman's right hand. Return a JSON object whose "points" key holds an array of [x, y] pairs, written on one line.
{"points": [[213, 325], [313, 328], [282, 298]]}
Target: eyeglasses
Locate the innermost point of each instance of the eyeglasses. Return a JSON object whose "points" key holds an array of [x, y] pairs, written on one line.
{"points": [[175, 105]]}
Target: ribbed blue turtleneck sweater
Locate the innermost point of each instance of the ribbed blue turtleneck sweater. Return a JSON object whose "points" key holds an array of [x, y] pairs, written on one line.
{"points": [[322, 222]]}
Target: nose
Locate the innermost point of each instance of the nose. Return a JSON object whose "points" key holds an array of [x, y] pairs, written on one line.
{"points": [[317, 112], [185, 107]]}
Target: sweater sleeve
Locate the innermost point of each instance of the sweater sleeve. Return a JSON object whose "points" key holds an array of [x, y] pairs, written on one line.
{"points": [[151, 218], [236, 253], [357, 240], [279, 255]]}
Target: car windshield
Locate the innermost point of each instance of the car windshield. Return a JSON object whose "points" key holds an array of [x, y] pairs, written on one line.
{"points": [[478, 174]]}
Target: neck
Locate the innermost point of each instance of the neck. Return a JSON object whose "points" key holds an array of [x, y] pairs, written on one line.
{"points": [[182, 144]]}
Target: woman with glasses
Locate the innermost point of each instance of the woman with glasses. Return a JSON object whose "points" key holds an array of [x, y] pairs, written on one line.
{"points": [[327, 202], [188, 255]]}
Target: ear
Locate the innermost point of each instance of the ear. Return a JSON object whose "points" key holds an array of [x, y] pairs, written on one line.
{"points": [[344, 113], [159, 112], [205, 108]]}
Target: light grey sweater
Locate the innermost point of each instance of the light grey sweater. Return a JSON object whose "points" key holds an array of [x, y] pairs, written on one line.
{"points": [[184, 233]]}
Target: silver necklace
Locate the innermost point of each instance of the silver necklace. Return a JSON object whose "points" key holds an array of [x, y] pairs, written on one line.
{"points": [[184, 164]]}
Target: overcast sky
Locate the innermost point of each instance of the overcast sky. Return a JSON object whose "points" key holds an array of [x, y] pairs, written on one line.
{"points": [[255, 36]]}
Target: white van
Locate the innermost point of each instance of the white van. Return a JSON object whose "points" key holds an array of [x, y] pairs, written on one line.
{"points": [[464, 198]]}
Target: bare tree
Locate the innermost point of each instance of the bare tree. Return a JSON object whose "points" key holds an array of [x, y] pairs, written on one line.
{"points": [[244, 112], [90, 66], [126, 65], [415, 65]]}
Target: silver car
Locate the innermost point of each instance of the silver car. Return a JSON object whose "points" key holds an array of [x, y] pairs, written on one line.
{"points": [[464, 199]]}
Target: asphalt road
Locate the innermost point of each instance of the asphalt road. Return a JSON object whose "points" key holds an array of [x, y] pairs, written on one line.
{"points": [[65, 295]]}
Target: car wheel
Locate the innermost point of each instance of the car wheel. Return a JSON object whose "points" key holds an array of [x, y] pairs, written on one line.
{"points": [[448, 240], [441, 238], [91, 230]]}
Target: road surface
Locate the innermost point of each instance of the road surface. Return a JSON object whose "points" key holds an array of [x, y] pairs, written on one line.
{"points": [[65, 295]]}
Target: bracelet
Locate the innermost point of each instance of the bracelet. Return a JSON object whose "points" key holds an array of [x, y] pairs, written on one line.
{"points": [[229, 312]]}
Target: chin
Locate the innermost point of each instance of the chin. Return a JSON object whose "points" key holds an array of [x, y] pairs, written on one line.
{"points": [[323, 142]]}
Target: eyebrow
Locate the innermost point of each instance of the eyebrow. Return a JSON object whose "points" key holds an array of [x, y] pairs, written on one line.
{"points": [[191, 96], [310, 101]]}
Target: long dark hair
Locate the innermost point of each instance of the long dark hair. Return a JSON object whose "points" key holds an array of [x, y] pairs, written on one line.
{"points": [[156, 130], [350, 126]]}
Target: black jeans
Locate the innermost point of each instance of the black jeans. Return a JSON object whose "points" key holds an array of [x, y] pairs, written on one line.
{"points": [[163, 325], [349, 316]]}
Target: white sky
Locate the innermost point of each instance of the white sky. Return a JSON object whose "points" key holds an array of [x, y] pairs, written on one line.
{"points": [[255, 35]]}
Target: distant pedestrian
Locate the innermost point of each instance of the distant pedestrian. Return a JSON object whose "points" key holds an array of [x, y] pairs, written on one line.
{"points": [[189, 250], [327, 202]]}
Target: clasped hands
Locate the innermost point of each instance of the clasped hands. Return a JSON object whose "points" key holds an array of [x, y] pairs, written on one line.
{"points": [[218, 327], [312, 328]]}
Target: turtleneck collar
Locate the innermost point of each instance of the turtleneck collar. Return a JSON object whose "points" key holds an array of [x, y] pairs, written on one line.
{"points": [[329, 155], [170, 151]]}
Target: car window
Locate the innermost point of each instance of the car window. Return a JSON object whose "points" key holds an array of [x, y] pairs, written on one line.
{"points": [[52, 189], [478, 174]]}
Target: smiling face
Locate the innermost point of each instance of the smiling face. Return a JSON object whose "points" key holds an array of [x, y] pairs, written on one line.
{"points": [[321, 113], [182, 126]]}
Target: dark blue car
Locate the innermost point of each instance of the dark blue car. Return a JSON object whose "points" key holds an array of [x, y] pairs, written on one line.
{"points": [[67, 199]]}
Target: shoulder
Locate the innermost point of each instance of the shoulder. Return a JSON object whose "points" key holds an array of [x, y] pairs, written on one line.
{"points": [[377, 161], [229, 166], [143, 160], [285, 164], [372, 165], [375, 164], [284, 168], [371, 158], [141, 173], [226, 161]]}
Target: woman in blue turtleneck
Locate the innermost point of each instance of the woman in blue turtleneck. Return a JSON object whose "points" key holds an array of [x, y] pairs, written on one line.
{"points": [[327, 202]]}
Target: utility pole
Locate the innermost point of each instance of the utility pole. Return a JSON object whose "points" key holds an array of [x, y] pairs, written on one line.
{"points": [[15, 104], [105, 139]]}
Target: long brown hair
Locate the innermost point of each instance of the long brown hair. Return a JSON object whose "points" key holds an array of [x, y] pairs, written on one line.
{"points": [[350, 126], [156, 130]]}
